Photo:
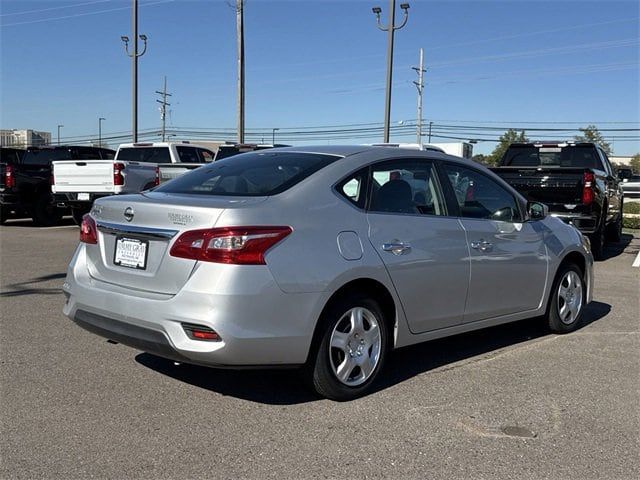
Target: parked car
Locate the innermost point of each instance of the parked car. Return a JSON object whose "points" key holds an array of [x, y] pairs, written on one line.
{"points": [[136, 167], [227, 150], [322, 257], [576, 181], [26, 181], [631, 186]]}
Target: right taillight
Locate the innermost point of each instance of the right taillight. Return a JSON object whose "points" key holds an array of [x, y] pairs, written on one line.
{"points": [[9, 179], [233, 245], [587, 188], [88, 230], [156, 181], [118, 177]]}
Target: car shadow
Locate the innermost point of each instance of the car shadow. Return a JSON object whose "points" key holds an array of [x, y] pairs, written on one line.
{"points": [[612, 250], [286, 387], [26, 288], [27, 222]]}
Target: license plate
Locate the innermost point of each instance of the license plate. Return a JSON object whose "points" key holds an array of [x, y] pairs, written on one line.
{"points": [[83, 196], [131, 253]]}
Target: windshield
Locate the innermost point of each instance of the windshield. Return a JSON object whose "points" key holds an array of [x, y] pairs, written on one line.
{"points": [[249, 174], [551, 156], [144, 154]]}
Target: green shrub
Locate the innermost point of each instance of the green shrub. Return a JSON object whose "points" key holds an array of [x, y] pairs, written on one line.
{"points": [[631, 207]]}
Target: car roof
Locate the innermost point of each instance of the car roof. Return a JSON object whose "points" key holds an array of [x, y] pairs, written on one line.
{"points": [[347, 150]]}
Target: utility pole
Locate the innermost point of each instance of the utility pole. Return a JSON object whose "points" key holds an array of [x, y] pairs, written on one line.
{"points": [[59, 127], [240, 33], [420, 86], [163, 107], [390, 28], [100, 130], [430, 123], [134, 67]]}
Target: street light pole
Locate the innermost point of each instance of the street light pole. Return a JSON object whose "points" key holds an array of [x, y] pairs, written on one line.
{"points": [[59, 127], [100, 130], [134, 67], [240, 34], [273, 135], [390, 28]]}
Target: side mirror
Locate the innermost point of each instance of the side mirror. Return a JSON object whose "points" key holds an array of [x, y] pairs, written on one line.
{"points": [[537, 210]]}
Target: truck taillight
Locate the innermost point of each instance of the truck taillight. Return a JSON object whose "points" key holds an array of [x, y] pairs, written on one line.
{"points": [[88, 230], [587, 188], [9, 179], [233, 245], [156, 181], [118, 177]]}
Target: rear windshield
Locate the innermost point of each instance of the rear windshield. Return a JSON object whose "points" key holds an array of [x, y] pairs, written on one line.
{"points": [[552, 156], [249, 174], [144, 154], [46, 156]]}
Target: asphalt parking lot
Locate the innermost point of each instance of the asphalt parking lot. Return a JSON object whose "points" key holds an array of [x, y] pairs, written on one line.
{"points": [[506, 402]]}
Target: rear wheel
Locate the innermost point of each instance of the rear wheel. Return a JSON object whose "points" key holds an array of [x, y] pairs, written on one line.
{"points": [[3, 215], [44, 212], [597, 240], [352, 348], [567, 300], [614, 231], [77, 214]]}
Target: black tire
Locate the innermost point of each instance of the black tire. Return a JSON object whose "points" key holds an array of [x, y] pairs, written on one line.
{"points": [[321, 372], [44, 212], [77, 214], [597, 240], [557, 320], [3, 216], [614, 231]]}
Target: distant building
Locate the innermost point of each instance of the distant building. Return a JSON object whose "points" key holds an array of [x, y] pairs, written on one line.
{"points": [[620, 160], [24, 138]]}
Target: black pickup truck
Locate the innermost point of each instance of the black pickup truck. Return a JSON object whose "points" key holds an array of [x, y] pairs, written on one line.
{"points": [[25, 179], [575, 180]]}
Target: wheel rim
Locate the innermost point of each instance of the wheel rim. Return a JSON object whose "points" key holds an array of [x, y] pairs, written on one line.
{"points": [[569, 297], [355, 345]]}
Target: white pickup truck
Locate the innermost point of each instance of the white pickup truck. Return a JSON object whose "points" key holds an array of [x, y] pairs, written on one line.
{"points": [[136, 167]]}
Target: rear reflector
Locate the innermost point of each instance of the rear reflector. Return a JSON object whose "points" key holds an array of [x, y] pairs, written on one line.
{"points": [[88, 230], [200, 332], [233, 245]]}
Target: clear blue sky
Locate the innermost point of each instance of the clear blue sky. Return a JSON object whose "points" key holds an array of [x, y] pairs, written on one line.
{"points": [[312, 63]]}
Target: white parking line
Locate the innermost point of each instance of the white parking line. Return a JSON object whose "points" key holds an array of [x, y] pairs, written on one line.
{"points": [[636, 262], [61, 226]]}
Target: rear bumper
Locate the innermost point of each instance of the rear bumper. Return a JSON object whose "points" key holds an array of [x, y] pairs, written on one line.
{"points": [[584, 223], [71, 199], [259, 325]]}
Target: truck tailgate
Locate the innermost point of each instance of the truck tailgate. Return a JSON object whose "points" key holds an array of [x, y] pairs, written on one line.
{"points": [[95, 176], [552, 186]]}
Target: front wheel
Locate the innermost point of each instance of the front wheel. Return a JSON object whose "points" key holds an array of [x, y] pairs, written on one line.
{"points": [[567, 300], [352, 348]]}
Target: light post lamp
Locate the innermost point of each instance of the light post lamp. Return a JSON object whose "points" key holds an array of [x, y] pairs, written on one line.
{"points": [[273, 135], [59, 127], [134, 66], [391, 28], [100, 130]]}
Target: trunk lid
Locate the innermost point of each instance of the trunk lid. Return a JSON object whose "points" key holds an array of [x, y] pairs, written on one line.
{"points": [[157, 220], [83, 175]]}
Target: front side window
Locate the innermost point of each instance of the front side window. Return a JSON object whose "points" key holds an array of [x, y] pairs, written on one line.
{"points": [[406, 186], [249, 174], [480, 197]]}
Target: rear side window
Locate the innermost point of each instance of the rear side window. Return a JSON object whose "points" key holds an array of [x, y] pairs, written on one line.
{"points": [[45, 157], [551, 156], [249, 174], [188, 155], [145, 154]]}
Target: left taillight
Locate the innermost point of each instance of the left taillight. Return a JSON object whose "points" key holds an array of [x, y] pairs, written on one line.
{"points": [[88, 230], [9, 179], [232, 245]]}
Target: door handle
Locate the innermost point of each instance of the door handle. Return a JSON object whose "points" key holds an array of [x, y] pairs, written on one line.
{"points": [[397, 248], [482, 245]]}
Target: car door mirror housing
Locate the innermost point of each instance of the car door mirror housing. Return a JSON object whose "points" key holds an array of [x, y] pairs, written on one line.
{"points": [[537, 210]]}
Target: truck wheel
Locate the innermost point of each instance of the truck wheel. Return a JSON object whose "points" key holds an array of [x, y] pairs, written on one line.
{"points": [[77, 214], [3, 216], [566, 303], [614, 231], [597, 242], [44, 212], [351, 350]]}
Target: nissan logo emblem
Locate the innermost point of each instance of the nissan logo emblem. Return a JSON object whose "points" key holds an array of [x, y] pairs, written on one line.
{"points": [[128, 214]]}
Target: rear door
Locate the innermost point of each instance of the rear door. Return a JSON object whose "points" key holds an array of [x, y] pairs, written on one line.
{"points": [[508, 256], [423, 248]]}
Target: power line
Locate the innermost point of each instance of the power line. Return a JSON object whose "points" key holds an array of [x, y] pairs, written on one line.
{"points": [[26, 12]]}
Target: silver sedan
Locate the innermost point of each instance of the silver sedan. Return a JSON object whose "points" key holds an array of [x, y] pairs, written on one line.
{"points": [[327, 258]]}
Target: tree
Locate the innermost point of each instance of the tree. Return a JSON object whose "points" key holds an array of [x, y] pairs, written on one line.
{"points": [[591, 134], [480, 158], [635, 163], [509, 137]]}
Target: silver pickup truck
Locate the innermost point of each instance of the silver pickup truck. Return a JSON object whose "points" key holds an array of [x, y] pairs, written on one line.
{"points": [[136, 167]]}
